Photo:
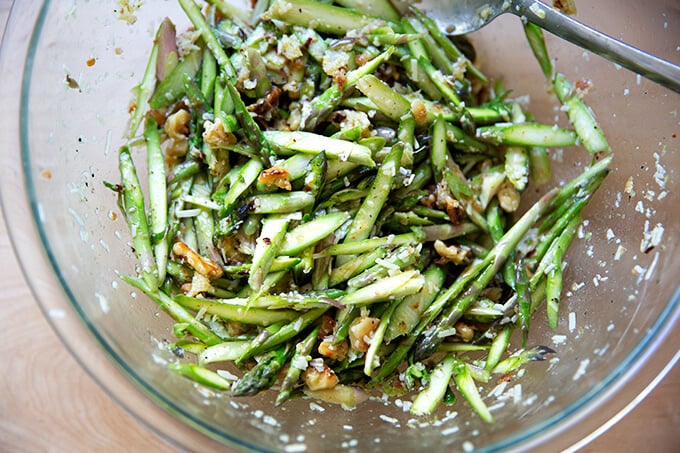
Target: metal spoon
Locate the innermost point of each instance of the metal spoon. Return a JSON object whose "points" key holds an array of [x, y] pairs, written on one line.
{"points": [[458, 17]]}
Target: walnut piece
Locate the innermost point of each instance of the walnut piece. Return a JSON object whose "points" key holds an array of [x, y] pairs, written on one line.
{"points": [[361, 332], [177, 128], [204, 266], [318, 376]]}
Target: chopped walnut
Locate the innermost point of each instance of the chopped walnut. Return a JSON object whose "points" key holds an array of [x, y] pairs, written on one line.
{"points": [[419, 110], [453, 253], [349, 119], [566, 6], [199, 284], [266, 106], [216, 136], [465, 332], [361, 332], [229, 247], [327, 326], [276, 176], [289, 47], [177, 128], [508, 197], [452, 206], [335, 62], [203, 266], [583, 86], [493, 293], [334, 351], [318, 376]]}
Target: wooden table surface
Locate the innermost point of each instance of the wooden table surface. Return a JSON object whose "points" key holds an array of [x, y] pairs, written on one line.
{"points": [[48, 403]]}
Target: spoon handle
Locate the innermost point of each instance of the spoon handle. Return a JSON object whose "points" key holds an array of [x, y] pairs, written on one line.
{"points": [[660, 71]]}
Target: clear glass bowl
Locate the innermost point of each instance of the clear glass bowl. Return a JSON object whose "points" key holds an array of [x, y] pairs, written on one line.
{"points": [[60, 141]]}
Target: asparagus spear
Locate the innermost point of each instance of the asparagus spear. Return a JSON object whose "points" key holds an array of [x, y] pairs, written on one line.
{"points": [[365, 219], [201, 375], [580, 115], [158, 204], [428, 400], [264, 374], [133, 203], [302, 351]]}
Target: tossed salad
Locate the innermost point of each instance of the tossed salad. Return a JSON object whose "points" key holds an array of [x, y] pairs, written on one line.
{"points": [[333, 202]]}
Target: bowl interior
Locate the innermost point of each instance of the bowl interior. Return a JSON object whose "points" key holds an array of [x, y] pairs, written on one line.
{"points": [[619, 300]]}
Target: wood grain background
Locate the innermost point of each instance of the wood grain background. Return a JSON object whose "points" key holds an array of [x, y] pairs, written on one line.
{"points": [[48, 403]]}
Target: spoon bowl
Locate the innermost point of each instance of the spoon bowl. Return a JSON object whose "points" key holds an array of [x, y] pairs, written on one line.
{"points": [[459, 17]]}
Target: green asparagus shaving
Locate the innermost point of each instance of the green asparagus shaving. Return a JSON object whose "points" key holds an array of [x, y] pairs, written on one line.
{"points": [[223, 352], [399, 259], [388, 101], [172, 87], [580, 115], [528, 134], [523, 300], [144, 91], [534, 36], [201, 375], [410, 309], [515, 361], [279, 203], [318, 108], [285, 333], [462, 346], [366, 245], [179, 347], [554, 273], [355, 265], [238, 313], [468, 388], [447, 45], [158, 204], [266, 248], [498, 347], [436, 54], [310, 143], [444, 232], [390, 288], [428, 400], [311, 232], [372, 361], [539, 165], [375, 8], [246, 177], [365, 219], [298, 364], [135, 213], [463, 141], [319, 16]]}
